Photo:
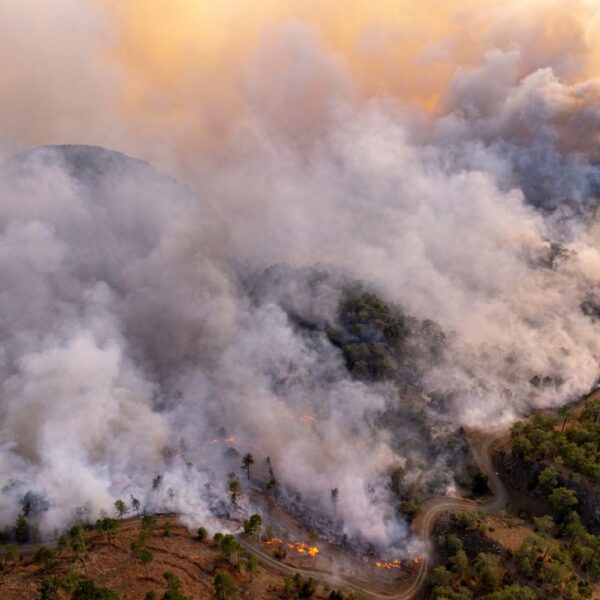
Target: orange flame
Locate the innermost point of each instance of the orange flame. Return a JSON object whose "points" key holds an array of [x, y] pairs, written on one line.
{"points": [[390, 564], [300, 547], [274, 541], [307, 418]]}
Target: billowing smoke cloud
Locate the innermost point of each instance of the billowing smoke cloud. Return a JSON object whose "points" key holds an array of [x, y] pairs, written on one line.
{"points": [[145, 325]]}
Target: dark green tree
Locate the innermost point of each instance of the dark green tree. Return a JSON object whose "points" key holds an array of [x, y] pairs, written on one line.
{"points": [[224, 587], [247, 462], [22, 529], [121, 508]]}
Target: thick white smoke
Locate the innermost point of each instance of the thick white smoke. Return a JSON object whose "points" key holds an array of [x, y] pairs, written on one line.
{"points": [[138, 326]]}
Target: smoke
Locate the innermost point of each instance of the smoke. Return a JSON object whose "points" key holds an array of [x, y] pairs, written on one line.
{"points": [[450, 166]]}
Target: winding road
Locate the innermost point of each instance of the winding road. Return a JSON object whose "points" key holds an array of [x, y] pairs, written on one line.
{"points": [[482, 446]]}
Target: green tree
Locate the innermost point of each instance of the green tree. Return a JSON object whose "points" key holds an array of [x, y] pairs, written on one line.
{"points": [[544, 525], [489, 572], [121, 508], [229, 546], [513, 592], [247, 462], [453, 543], [459, 562], [135, 504], [149, 523], [202, 533], [76, 543], [441, 576], [465, 519], [22, 529], [49, 588], [253, 525], [107, 525], [11, 553], [251, 565], [173, 588], [548, 478], [70, 580], [564, 412], [591, 412], [44, 556], [409, 508], [235, 491], [562, 500], [224, 587], [87, 590], [145, 557]]}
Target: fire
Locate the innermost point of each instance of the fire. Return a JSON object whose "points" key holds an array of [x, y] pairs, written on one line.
{"points": [[300, 547], [307, 418], [274, 541], [228, 440], [389, 564]]}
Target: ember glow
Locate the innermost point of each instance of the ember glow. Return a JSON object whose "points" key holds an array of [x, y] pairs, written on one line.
{"points": [[299, 547], [441, 156], [392, 564]]}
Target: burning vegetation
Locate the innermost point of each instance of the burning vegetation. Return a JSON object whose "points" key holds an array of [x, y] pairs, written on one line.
{"points": [[299, 547]]}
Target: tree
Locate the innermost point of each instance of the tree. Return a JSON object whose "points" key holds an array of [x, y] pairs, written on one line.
{"points": [[44, 556], [562, 500], [224, 587], [148, 523], [229, 545], [487, 567], [335, 493], [564, 412], [34, 503], [76, 543], [135, 504], [121, 508], [173, 588], [513, 592], [70, 580], [252, 565], [253, 525], [156, 482], [548, 478], [87, 590], [235, 491], [108, 526], [441, 576], [145, 557], [22, 529], [11, 553], [591, 412], [272, 483], [247, 462], [202, 533], [459, 562], [49, 588], [544, 525], [409, 509]]}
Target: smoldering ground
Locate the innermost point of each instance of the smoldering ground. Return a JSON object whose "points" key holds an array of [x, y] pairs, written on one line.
{"points": [[144, 322]]}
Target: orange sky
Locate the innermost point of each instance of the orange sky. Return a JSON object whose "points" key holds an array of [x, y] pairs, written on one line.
{"points": [[134, 74]]}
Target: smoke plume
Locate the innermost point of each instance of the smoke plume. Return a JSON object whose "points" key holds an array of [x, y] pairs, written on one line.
{"points": [[447, 165]]}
